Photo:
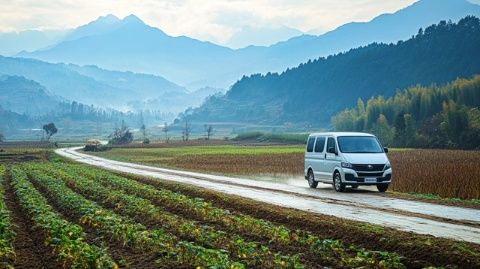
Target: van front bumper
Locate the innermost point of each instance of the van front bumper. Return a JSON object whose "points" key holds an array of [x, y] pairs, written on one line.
{"points": [[351, 176]]}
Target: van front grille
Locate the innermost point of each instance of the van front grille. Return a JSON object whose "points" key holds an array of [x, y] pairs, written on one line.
{"points": [[368, 167]]}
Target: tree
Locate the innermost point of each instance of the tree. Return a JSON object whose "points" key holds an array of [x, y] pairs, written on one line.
{"points": [[2, 137], [165, 130], [50, 129], [187, 129], [409, 130], [121, 135], [208, 131], [383, 130], [143, 129]]}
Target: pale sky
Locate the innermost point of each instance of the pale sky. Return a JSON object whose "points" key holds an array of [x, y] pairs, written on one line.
{"points": [[213, 20]]}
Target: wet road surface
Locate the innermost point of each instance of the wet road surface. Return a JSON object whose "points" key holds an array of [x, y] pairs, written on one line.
{"points": [[366, 206]]}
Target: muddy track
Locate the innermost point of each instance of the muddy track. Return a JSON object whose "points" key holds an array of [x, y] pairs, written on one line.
{"points": [[422, 218], [125, 256], [28, 244]]}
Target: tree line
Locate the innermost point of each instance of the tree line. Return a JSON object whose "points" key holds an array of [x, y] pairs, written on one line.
{"points": [[429, 117]]}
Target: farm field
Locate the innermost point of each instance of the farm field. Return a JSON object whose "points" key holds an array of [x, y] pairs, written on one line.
{"points": [[443, 173], [83, 217]]}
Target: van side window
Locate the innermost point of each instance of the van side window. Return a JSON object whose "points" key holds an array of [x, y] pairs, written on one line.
{"points": [[331, 143], [310, 143], [320, 144]]}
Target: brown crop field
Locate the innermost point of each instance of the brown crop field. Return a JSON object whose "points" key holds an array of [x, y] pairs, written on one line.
{"points": [[57, 214], [446, 173]]}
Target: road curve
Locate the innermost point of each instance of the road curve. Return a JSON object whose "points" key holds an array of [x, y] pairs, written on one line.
{"points": [[423, 218]]}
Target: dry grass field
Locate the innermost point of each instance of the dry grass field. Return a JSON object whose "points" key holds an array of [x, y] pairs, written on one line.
{"points": [[446, 173]]}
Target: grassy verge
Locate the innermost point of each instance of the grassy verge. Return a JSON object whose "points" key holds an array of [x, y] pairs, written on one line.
{"points": [[273, 138]]}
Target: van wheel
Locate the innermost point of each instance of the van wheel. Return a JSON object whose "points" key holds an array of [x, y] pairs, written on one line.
{"points": [[311, 180], [337, 182], [382, 187]]}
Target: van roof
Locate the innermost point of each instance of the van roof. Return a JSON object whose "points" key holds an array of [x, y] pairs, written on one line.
{"points": [[336, 134]]}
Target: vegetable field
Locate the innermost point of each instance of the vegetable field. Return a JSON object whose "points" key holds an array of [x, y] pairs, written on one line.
{"points": [[87, 218], [446, 173]]}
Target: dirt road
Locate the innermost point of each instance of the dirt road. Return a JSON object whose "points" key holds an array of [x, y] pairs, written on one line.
{"points": [[423, 218]]}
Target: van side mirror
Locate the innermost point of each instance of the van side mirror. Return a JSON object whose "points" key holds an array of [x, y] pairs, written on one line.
{"points": [[385, 149], [331, 150]]}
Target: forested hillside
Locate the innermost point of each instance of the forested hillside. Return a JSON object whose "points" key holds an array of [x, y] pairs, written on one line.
{"points": [[440, 117], [25, 105], [311, 93]]}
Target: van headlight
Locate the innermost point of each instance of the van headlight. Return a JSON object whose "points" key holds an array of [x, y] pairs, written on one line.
{"points": [[346, 165], [387, 166]]}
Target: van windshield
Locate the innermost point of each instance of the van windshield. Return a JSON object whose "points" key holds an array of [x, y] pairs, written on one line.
{"points": [[359, 144]]}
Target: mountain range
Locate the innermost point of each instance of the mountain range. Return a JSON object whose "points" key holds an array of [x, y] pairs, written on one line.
{"points": [[104, 88], [131, 45], [311, 93]]}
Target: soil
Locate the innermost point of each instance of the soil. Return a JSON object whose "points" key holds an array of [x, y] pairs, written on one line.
{"points": [[9, 158], [28, 245], [125, 256], [418, 250], [311, 260]]}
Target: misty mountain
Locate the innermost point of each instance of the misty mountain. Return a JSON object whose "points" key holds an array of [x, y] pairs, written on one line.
{"points": [[261, 36], [129, 44], [23, 96], [25, 105], [142, 86], [312, 92], [386, 28], [170, 101], [11, 121], [89, 84], [100, 26], [12, 43]]}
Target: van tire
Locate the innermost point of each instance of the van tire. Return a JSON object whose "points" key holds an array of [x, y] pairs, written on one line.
{"points": [[382, 187], [311, 180], [338, 185]]}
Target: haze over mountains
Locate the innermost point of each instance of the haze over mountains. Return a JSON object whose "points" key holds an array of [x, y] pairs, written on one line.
{"points": [[104, 88], [158, 72], [129, 44]]}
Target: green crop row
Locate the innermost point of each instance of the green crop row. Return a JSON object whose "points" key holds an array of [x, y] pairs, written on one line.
{"points": [[330, 251], [66, 239], [7, 235], [250, 253], [126, 231]]}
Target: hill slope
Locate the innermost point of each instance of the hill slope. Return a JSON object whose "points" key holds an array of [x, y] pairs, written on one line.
{"points": [[89, 85], [24, 96], [313, 92]]}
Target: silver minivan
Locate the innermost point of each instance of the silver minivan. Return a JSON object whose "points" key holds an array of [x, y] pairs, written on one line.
{"points": [[346, 159]]}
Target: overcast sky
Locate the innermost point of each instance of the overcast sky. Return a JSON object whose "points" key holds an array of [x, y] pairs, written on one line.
{"points": [[213, 20]]}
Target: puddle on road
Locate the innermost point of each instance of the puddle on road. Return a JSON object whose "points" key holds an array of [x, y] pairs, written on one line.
{"points": [[292, 180], [300, 181]]}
